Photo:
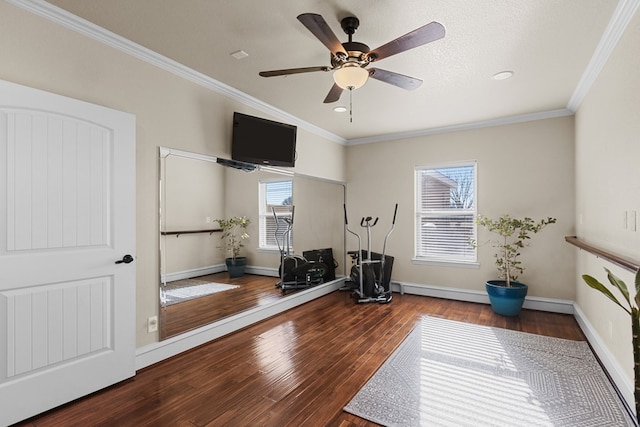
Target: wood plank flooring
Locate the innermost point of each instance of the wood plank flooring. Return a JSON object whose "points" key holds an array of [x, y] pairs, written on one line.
{"points": [[298, 368], [253, 291]]}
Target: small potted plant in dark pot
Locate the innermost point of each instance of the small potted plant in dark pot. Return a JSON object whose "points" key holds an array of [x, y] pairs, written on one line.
{"points": [[507, 295], [234, 232]]}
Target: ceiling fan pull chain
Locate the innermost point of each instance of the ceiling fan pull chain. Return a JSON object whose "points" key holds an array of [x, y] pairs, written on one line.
{"points": [[351, 105]]}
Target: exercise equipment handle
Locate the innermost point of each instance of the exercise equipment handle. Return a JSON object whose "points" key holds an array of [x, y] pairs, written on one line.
{"points": [[275, 233], [364, 222], [346, 227], [393, 225]]}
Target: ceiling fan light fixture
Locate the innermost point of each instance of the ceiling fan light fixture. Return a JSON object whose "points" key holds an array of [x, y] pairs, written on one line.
{"points": [[350, 76]]}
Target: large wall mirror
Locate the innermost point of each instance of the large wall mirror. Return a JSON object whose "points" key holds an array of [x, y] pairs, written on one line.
{"points": [[195, 190]]}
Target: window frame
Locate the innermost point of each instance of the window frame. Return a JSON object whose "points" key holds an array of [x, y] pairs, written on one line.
{"points": [[470, 260], [264, 215]]}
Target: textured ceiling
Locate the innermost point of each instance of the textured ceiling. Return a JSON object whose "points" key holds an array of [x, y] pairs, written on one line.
{"points": [[548, 44]]}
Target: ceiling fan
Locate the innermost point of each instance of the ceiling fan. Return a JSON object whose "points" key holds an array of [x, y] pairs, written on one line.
{"points": [[350, 59]]}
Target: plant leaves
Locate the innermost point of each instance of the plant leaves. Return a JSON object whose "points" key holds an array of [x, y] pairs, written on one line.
{"points": [[514, 235], [615, 281], [593, 283]]}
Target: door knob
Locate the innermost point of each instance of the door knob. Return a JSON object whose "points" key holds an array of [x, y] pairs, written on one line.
{"points": [[125, 259]]}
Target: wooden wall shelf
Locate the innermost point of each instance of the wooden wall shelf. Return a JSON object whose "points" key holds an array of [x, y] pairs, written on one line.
{"points": [[624, 262], [178, 233]]}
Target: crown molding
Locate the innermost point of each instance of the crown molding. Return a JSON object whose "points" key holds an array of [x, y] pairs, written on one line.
{"points": [[89, 29], [615, 29], [464, 126], [613, 33]]}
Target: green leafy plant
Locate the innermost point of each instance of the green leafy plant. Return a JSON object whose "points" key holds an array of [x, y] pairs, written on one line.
{"points": [[632, 311], [512, 235], [234, 232]]}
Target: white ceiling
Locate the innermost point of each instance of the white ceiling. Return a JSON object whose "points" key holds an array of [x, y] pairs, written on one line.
{"points": [[548, 44]]}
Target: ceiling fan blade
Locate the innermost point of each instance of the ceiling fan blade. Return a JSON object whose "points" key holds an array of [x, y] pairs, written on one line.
{"points": [[319, 28], [334, 94], [426, 34], [400, 80], [288, 71]]}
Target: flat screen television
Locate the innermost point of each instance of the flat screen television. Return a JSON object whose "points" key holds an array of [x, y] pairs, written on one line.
{"points": [[263, 142]]}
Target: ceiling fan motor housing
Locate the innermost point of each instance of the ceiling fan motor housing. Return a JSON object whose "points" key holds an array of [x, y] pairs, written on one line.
{"points": [[356, 53], [349, 25]]}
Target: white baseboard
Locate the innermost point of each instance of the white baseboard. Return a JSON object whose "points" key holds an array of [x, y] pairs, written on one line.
{"points": [[212, 269], [262, 271], [621, 380], [458, 294], [196, 272], [156, 352]]}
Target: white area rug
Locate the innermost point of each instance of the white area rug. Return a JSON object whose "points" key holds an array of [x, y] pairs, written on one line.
{"points": [[450, 373], [174, 295]]}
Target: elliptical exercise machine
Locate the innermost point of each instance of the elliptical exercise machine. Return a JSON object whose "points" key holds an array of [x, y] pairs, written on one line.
{"points": [[371, 273], [296, 272]]}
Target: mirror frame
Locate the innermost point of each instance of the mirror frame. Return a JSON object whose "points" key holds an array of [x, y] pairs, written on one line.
{"points": [[288, 300]]}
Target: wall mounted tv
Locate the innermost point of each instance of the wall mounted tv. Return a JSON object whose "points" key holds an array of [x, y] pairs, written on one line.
{"points": [[263, 142]]}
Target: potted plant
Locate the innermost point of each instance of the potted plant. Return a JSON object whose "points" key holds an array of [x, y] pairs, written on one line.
{"points": [[234, 232], [633, 311], [507, 295]]}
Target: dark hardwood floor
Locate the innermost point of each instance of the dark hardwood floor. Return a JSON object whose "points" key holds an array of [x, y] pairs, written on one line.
{"points": [[298, 368], [252, 291]]}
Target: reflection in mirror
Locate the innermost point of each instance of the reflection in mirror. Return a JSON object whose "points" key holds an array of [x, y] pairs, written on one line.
{"points": [[195, 191]]}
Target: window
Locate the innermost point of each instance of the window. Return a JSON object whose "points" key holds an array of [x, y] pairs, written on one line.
{"points": [[445, 213], [278, 196]]}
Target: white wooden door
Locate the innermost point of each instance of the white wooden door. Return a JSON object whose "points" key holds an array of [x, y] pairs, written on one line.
{"points": [[67, 214]]}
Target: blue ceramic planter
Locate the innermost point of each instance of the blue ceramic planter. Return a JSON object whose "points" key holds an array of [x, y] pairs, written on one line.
{"points": [[506, 301], [236, 269]]}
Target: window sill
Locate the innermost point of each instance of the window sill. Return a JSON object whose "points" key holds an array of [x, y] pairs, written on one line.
{"points": [[272, 250], [442, 263]]}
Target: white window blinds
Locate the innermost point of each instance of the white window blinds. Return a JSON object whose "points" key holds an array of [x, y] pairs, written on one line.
{"points": [[445, 213], [278, 196]]}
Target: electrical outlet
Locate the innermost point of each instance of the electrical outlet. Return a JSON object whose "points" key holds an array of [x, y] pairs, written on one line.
{"points": [[152, 324], [208, 219]]}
